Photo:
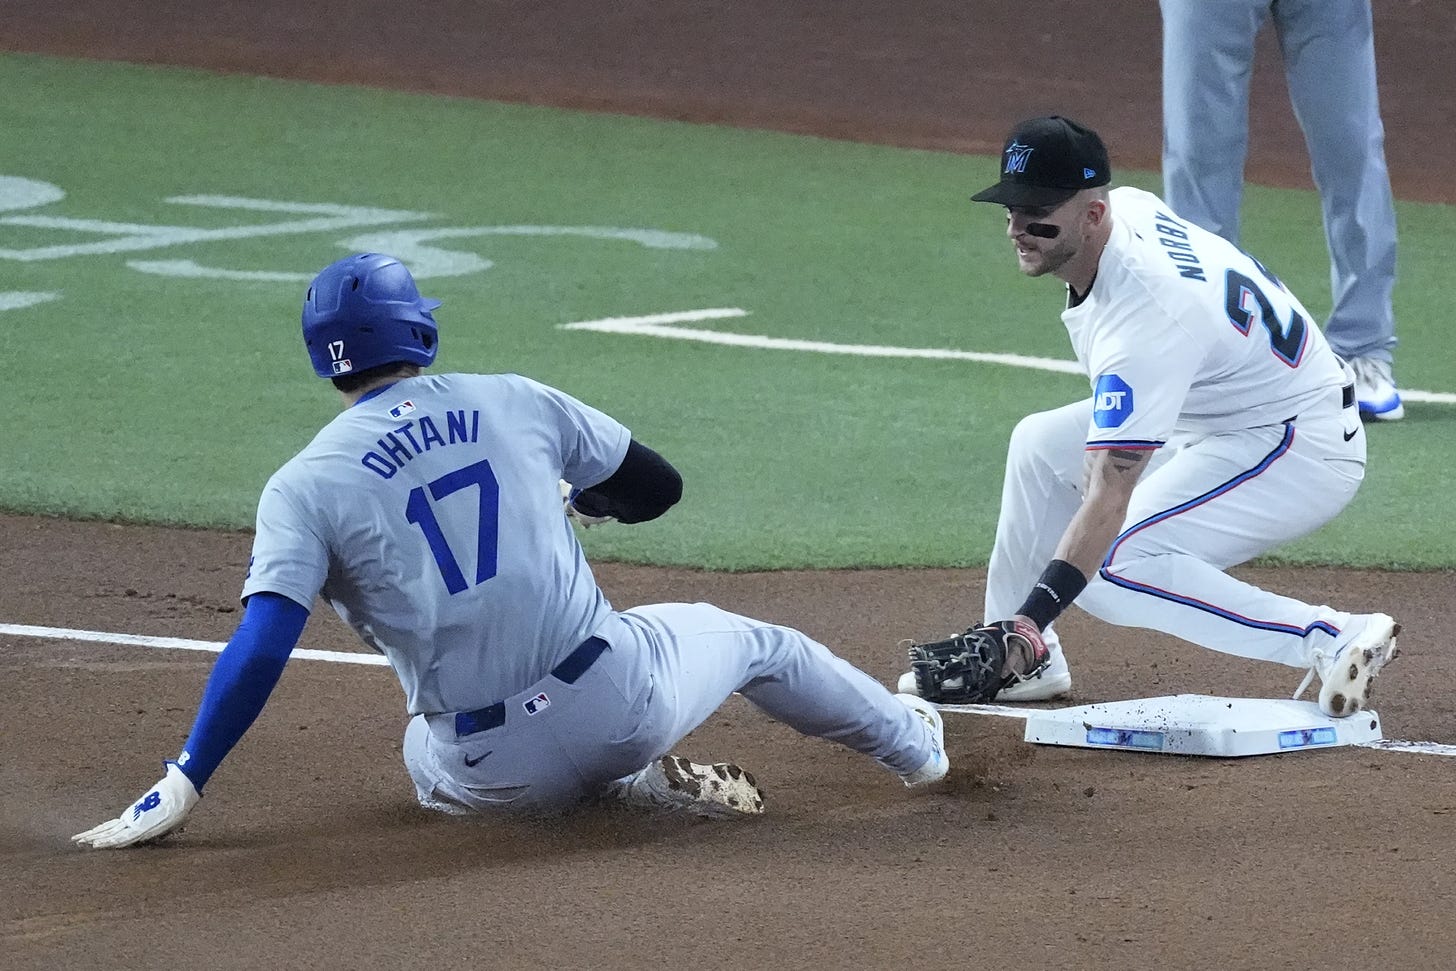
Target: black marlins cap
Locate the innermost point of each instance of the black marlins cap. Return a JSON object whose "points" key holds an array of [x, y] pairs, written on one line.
{"points": [[1046, 161]]}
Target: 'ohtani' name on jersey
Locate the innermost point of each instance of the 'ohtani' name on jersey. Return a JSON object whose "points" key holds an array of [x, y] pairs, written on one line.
{"points": [[1174, 237], [413, 437]]}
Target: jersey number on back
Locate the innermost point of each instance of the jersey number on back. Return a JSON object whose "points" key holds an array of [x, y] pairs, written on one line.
{"points": [[1287, 342], [419, 512]]}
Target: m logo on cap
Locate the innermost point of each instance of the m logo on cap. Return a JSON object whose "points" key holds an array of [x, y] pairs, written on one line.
{"points": [[1068, 158], [1017, 156]]}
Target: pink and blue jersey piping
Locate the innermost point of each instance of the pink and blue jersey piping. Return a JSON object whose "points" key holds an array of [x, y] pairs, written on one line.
{"points": [[1106, 572]]}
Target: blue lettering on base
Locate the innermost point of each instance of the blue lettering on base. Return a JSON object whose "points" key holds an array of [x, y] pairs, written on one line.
{"points": [[1111, 401], [1125, 738], [1305, 737]]}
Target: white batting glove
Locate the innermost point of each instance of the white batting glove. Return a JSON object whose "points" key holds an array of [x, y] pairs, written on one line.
{"points": [[158, 812], [568, 493]]}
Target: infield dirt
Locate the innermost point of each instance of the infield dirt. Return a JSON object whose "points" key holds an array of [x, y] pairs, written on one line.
{"points": [[309, 852]]}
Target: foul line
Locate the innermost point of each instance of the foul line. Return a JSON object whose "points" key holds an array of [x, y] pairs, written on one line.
{"points": [[652, 325], [350, 657], [175, 643], [655, 325]]}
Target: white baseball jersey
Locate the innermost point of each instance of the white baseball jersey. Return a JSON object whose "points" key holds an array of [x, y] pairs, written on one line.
{"points": [[1185, 337], [429, 516], [1182, 332]]}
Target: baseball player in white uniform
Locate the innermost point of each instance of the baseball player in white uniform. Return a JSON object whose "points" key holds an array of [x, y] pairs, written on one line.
{"points": [[1220, 425], [428, 514]]}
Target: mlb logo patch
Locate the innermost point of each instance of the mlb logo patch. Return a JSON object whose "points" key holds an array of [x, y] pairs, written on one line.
{"points": [[538, 703], [402, 409], [344, 366]]}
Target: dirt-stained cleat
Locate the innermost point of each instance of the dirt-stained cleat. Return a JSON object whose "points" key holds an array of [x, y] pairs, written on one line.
{"points": [[937, 764], [1348, 675], [672, 784]]}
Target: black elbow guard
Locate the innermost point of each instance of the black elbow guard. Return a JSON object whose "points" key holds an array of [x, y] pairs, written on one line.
{"points": [[644, 487]]}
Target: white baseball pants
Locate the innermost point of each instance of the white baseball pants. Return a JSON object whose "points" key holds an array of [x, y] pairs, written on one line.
{"points": [[1203, 506]]}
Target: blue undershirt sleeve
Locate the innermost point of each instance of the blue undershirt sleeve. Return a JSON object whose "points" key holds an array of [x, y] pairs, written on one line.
{"points": [[241, 681]]}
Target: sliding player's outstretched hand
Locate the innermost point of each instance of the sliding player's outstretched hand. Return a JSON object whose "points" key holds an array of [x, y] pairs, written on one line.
{"points": [[158, 812]]}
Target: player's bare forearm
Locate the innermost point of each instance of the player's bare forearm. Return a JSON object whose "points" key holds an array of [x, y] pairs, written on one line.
{"points": [[1112, 474]]}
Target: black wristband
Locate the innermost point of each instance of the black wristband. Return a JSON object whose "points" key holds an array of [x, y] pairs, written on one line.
{"points": [[1055, 590]]}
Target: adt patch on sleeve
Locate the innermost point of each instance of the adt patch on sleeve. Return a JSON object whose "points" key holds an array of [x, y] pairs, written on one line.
{"points": [[1111, 401]]}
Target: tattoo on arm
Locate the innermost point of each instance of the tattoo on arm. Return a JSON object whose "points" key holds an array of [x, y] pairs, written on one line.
{"points": [[1126, 459]]}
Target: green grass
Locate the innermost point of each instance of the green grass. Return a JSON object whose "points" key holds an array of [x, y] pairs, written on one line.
{"points": [[152, 398]]}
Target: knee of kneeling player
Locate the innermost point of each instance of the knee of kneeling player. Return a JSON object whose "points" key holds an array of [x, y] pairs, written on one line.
{"points": [[1035, 442]]}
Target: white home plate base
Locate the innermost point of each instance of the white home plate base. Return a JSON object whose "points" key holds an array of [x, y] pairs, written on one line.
{"points": [[1201, 725]]}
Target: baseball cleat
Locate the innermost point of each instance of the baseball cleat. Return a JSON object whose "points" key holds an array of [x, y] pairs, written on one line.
{"points": [[937, 764], [1348, 675], [672, 784], [1375, 391], [1053, 681]]}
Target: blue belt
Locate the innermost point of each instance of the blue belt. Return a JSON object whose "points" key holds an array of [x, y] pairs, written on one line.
{"points": [[494, 716]]}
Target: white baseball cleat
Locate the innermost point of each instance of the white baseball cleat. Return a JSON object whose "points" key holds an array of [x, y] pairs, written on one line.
{"points": [[938, 763], [1347, 675], [1375, 392], [1051, 682], [672, 784]]}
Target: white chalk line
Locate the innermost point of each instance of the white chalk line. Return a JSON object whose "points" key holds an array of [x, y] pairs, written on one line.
{"points": [[349, 657], [656, 325], [175, 643]]}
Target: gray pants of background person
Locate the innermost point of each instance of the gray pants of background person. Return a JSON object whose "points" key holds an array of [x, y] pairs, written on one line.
{"points": [[1329, 60]]}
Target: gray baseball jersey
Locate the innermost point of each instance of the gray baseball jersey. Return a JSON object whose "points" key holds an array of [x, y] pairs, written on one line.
{"points": [[429, 516]]}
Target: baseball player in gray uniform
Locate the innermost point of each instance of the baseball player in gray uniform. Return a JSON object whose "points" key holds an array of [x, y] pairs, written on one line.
{"points": [[1220, 425], [1328, 48], [429, 514]]}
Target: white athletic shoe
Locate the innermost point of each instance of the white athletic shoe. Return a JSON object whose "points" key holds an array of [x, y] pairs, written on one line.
{"points": [[1051, 682], [672, 784], [938, 764], [1347, 675], [1375, 392]]}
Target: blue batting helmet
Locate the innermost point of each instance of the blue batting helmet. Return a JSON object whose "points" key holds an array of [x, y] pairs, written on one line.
{"points": [[364, 311]]}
